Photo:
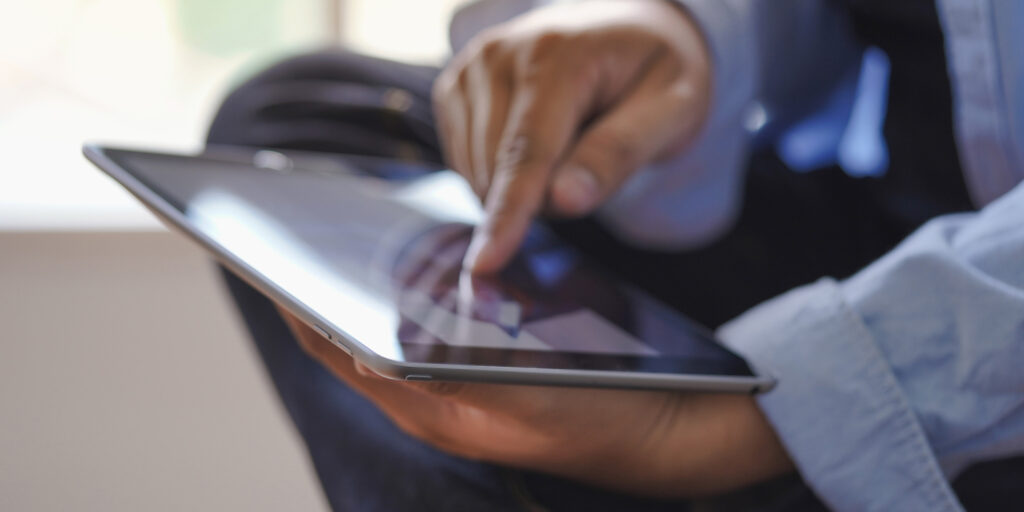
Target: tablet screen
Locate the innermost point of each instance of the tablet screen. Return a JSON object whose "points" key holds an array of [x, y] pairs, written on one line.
{"points": [[374, 247]]}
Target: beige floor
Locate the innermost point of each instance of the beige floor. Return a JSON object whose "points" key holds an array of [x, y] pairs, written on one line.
{"points": [[126, 384]]}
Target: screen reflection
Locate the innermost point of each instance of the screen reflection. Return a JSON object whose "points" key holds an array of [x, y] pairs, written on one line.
{"points": [[379, 258]]}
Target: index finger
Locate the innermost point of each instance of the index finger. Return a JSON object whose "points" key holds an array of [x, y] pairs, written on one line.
{"points": [[540, 127]]}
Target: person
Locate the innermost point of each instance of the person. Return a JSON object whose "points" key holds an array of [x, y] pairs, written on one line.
{"points": [[661, 137]]}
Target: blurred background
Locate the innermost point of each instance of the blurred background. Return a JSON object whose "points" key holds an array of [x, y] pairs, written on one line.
{"points": [[126, 381]]}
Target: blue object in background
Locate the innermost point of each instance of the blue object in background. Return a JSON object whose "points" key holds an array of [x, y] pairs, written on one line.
{"points": [[848, 129]]}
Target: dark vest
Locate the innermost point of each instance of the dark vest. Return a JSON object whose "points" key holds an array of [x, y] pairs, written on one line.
{"points": [[924, 178]]}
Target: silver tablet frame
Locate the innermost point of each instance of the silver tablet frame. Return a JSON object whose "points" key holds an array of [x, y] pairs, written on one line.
{"points": [[401, 370]]}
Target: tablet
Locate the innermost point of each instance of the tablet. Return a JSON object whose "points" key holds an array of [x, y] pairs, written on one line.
{"points": [[368, 252]]}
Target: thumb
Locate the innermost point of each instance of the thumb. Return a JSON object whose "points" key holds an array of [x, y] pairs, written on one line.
{"points": [[657, 116]]}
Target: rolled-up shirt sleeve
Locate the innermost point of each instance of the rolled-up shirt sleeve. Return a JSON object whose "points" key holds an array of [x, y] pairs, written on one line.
{"points": [[894, 380]]}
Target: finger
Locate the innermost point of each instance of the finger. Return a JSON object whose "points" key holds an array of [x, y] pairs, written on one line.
{"points": [[450, 110], [541, 123], [364, 370], [663, 110], [490, 91], [480, 421], [474, 174], [437, 413]]}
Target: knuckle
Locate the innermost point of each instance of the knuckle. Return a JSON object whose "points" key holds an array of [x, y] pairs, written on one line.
{"points": [[518, 175], [486, 40], [490, 50], [444, 89], [511, 209], [463, 79], [547, 45], [483, 50], [520, 154], [561, 56]]}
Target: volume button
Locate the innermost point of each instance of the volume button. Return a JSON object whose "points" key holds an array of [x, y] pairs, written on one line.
{"points": [[323, 332], [416, 376]]}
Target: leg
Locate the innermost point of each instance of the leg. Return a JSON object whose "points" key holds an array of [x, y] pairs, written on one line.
{"points": [[363, 461], [334, 101]]}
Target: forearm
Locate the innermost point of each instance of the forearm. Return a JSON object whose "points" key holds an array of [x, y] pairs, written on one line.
{"points": [[894, 380]]}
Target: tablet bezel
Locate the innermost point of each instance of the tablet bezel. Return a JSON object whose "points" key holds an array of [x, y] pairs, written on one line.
{"points": [[172, 215]]}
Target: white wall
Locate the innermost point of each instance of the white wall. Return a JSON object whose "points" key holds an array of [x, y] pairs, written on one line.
{"points": [[126, 383]]}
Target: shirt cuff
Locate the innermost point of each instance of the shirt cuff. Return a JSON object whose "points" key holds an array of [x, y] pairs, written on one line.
{"points": [[689, 200], [729, 31], [838, 407]]}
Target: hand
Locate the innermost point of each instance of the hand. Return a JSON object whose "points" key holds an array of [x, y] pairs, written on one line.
{"points": [[557, 108], [644, 442]]}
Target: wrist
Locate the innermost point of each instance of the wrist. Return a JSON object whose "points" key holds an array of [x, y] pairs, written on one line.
{"points": [[715, 443], [701, 445]]}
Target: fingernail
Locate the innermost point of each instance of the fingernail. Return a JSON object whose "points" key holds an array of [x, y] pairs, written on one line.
{"points": [[576, 190], [476, 246]]}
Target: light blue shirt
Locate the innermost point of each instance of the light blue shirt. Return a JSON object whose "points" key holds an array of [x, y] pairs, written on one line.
{"points": [[893, 381]]}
